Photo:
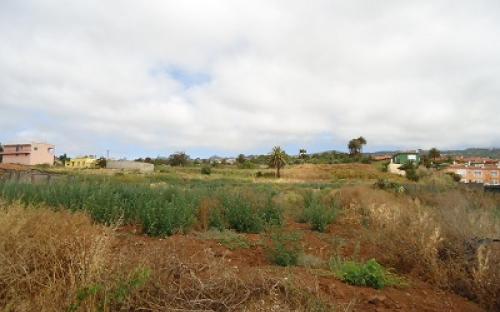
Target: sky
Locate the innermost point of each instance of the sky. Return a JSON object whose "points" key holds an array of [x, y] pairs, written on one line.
{"points": [[148, 78]]}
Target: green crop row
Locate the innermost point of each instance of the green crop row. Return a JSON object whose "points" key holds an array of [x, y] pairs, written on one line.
{"points": [[163, 210]]}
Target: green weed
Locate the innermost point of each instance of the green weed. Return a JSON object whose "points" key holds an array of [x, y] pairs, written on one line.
{"points": [[370, 273], [283, 248]]}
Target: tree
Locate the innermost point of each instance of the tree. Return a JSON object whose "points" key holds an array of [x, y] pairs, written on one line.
{"points": [[356, 146], [434, 153], [277, 159], [303, 154], [178, 159], [63, 158], [101, 162], [241, 159]]}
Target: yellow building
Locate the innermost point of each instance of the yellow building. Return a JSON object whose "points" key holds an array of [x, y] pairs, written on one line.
{"points": [[81, 163]]}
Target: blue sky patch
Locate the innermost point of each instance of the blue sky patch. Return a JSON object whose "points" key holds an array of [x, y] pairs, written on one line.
{"points": [[186, 77]]}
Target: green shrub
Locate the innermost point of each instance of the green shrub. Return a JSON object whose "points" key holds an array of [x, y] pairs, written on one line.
{"points": [[240, 216], [283, 248], [370, 273], [385, 184], [247, 165], [260, 174], [317, 213], [247, 210], [206, 170], [217, 220], [456, 177], [411, 171], [385, 166], [271, 214]]}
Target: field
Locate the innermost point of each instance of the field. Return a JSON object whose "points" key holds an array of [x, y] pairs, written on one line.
{"points": [[345, 237]]}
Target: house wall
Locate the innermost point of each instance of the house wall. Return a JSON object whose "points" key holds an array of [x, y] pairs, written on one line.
{"points": [[22, 159], [394, 168], [489, 176], [129, 165], [29, 154], [405, 158], [81, 163], [42, 154], [19, 157]]}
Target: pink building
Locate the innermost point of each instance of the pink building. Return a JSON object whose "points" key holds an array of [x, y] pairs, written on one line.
{"points": [[28, 154]]}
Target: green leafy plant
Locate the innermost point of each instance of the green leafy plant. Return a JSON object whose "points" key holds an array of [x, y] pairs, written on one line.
{"points": [[318, 213], [240, 216], [370, 274], [206, 170], [117, 294], [283, 248]]}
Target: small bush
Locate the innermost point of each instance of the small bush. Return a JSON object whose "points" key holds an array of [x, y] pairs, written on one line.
{"points": [[370, 273], [456, 177], [271, 214], [411, 172], [385, 166], [283, 248], [317, 213], [246, 165], [260, 174], [240, 216], [206, 170], [384, 184]]}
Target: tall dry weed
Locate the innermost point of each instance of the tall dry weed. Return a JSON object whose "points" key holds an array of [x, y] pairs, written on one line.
{"points": [[60, 261], [447, 238], [46, 256]]}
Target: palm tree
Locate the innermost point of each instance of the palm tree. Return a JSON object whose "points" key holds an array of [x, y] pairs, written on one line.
{"points": [[303, 154], [434, 153], [353, 146], [277, 159], [356, 145], [362, 141]]}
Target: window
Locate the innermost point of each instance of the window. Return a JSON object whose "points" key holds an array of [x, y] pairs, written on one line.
{"points": [[494, 173], [35, 148], [479, 181], [478, 173]]}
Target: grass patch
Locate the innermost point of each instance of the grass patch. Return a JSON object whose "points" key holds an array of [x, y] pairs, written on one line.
{"points": [[228, 238]]}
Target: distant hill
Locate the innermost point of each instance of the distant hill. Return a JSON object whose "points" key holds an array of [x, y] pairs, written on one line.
{"points": [[479, 152], [469, 152]]}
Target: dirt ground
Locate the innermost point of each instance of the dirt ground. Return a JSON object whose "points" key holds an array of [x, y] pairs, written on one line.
{"points": [[252, 261]]}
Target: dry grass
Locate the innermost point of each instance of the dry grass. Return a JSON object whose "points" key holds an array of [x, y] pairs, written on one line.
{"points": [[54, 261], [321, 173], [442, 237], [45, 257]]}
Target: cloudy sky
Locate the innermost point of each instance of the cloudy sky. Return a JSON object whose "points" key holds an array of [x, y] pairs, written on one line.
{"points": [[224, 77]]}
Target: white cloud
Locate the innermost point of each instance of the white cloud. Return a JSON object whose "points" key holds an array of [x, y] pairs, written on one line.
{"points": [[401, 73]]}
